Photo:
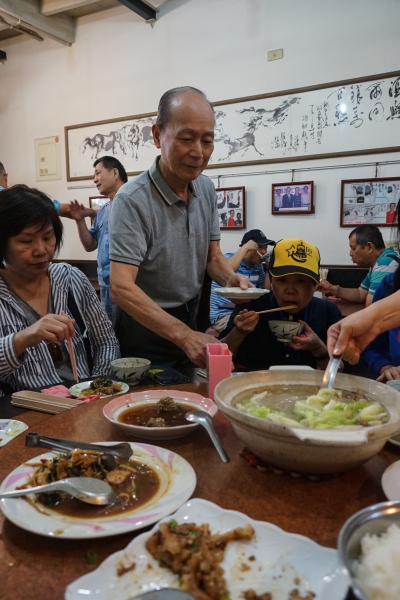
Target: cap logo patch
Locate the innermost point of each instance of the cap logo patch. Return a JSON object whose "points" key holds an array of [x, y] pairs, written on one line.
{"points": [[299, 253]]}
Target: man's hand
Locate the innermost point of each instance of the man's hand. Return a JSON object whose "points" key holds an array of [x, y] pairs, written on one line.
{"points": [[250, 246], [237, 280], [246, 321], [327, 288], [389, 374], [50, 328], [195, 344], [77, 211], [308, 341]]}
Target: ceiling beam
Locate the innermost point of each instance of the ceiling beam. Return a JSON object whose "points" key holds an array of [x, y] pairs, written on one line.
{"points": [[142, 8], [27, 13], [53, 7]]}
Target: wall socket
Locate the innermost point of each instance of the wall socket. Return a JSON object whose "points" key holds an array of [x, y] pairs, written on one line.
{"points": [[275, 54]]}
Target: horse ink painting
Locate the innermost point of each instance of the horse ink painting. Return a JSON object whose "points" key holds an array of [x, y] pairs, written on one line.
{"points": [[345, 118], [128, 139]]}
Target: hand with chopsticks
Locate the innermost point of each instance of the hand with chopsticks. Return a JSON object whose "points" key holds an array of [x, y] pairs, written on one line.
{"points": [[246, 321], [50, 328]]}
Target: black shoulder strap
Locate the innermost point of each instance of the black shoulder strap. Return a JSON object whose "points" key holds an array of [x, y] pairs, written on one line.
{"points": [[76, 313]]}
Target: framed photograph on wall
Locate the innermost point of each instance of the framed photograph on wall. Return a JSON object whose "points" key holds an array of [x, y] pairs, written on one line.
{"points": [[370, 201], [97, 202], [293, 198], [231, 207]]}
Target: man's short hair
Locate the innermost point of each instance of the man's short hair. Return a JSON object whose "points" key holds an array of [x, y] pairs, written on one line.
{"points": [[368, 233], [109, 162], [2, 169], [164, 106]]}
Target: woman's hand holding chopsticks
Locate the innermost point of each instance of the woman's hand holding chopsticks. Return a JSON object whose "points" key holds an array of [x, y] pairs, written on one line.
{"points": [[50, 328]]}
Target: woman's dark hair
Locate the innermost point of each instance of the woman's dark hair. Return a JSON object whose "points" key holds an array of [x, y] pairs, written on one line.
{"points": [[22, 206]]}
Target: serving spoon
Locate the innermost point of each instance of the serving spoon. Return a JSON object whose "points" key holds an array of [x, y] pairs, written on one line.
{"points": [[204, 419], [87, 489], [165, 594], [331, 371]]}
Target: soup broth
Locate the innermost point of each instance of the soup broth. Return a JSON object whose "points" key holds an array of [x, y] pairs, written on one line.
{"points": [[310, 406], [140, 415]]}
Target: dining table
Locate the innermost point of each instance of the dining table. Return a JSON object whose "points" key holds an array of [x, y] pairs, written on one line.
{"points": [[34, 566]]}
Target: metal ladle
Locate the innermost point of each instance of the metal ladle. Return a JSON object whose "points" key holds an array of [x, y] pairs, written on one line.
{"points": [[87, 489], [204, 419], [331, 371]]}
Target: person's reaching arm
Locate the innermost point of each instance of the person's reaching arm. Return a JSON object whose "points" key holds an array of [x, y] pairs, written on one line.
{"points": [[77, 212]]}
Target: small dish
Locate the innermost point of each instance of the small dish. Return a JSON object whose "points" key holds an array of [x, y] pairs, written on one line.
{"points": [[236, 293], [115, 407], [9, 428], [130, 370], [391, 481], [76, 390], [285, 330]]}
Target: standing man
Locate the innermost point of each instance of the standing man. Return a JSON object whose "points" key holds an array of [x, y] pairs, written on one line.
{"points": [[164, 235], [367, 249], [109, 176], [287, 199]]}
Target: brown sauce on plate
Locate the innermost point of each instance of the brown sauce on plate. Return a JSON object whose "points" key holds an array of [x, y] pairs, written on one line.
{"points": [[140, 415], [137, 490]]}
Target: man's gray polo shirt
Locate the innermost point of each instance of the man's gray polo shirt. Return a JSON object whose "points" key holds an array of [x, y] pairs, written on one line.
{"points": [[166, 237]]}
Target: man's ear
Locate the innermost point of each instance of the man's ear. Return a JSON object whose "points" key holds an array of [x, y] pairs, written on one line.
{"points": [[155, 130]]}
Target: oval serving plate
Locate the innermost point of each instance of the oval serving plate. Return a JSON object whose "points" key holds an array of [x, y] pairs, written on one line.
{"points": [[76, 390], [177, 482]]}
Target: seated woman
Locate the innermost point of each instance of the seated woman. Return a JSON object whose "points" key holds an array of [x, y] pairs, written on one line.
{"points": [[383, 353], [294, 274], [43, 304]]}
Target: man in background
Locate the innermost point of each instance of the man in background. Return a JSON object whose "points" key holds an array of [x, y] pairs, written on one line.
{"points": [[287, 199], [391, 215], [3, 177], [367, 250], [247, 262], [109, 176]]}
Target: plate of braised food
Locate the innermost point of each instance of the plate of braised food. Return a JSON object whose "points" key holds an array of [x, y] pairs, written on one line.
{"points": [[101, 386]]}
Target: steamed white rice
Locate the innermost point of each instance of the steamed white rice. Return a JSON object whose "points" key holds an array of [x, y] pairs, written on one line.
{"points": [[378, 571]]}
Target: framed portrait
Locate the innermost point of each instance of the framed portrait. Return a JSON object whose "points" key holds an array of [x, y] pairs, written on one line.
{"points": [[370, 201], [293, 198], [97, 202], [231, 207]]}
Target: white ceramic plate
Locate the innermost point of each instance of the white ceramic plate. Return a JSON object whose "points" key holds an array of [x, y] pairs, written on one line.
{"points": [[177, 482], [391, 481], [116, 406], [280, 557], [9, 428], [76, 390], [236, 293]]}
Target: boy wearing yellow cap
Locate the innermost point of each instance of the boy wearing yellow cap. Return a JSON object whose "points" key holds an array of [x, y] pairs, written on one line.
{"points": [[294, 273]]}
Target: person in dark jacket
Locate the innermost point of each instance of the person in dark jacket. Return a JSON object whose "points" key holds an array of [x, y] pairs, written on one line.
{"points": [[294, 273]]}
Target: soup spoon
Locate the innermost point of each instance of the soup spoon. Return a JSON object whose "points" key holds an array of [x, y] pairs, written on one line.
{"points": [[87, 489], [204, 419]]}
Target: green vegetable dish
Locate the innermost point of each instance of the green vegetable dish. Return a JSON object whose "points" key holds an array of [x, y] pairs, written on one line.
{"points": [[309, 406]]}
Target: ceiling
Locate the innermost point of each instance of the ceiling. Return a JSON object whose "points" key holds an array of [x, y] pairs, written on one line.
{"points": [[56, 19]]}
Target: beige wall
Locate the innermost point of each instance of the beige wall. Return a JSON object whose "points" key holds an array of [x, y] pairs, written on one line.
{"points": [[120, 66]]}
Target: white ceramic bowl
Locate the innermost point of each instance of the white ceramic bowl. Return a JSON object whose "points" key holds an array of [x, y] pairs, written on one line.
{"points": [[285, 330], [130, 370], [115, 407], [305, 450], [374, 519]]}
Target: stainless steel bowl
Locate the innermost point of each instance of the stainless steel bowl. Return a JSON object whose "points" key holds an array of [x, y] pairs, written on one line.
{"points": [[374, 519]]}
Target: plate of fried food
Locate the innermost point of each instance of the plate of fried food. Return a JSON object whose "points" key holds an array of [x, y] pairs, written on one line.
{"points": [[101, 386], [216, 554], [149, 485]]}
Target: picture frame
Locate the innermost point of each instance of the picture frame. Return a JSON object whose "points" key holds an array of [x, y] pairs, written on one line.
{"points": [[293, 198], [129, 139], [97, 202], [369, 201], [231, 203]]}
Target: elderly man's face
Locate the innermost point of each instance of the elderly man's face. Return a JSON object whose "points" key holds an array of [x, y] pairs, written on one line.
{"points": [[187, 141]]}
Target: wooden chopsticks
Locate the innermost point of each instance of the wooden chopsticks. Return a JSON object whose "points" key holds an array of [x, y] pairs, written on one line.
{"points": [[72, 355], [261, 312]]}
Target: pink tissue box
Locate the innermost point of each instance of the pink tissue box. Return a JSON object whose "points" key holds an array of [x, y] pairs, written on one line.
{"points": [[219, 365]]}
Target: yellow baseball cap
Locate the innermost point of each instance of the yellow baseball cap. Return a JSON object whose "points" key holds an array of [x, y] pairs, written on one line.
{"points": [[294, 255]]}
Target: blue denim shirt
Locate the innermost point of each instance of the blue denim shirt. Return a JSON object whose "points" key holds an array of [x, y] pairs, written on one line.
{"points": [[99, 231]]}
